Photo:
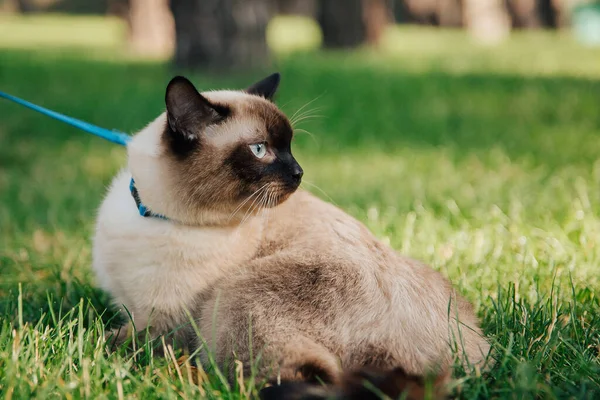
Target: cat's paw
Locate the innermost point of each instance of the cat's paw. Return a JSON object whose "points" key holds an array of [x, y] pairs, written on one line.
{"points": [[116, 338], [126, 339]]}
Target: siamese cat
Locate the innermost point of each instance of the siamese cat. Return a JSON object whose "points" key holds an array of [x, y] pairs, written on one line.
{"points": [[208, 221]]}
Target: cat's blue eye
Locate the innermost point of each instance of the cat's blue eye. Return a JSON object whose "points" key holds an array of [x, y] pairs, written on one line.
{"points": [[259, 149]]}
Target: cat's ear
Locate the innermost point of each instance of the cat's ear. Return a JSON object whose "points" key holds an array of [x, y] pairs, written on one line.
{"points": [[188, 112], [267, 87]]}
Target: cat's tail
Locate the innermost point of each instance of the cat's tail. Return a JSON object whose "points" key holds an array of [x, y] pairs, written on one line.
{"points": [[310, 372], [365, 384]]}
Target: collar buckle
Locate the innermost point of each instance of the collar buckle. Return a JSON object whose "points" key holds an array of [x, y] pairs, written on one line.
{"points": [[142, 209]]}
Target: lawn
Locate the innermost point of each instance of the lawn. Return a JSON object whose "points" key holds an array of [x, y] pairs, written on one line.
{"points": [[483, 162]]}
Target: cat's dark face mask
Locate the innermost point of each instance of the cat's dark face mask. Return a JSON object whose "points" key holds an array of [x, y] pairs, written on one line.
{"points": [[268, 163], [231, 148]]}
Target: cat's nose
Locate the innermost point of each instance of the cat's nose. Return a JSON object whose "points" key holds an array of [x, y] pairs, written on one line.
{"points": [[297, 174]]}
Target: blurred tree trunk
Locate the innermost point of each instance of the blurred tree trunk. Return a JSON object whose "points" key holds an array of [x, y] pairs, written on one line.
{"points": [[95, 7], [221, 34], [548, 14], [431, 12], [562, 9], [9, 6], [524, 13], [533, 13], [24, 6], [151, 29], [487, 20], [450, 13], [297, 7], [423, 12], [349, 23], [377, 14], [342, 23]]}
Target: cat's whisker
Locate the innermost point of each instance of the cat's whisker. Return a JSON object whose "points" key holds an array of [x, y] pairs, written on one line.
{"points": [[238, 208], [298, 111], [284, 105], [304, 106], [306, 118], [309, 113], [272, 199], [267, 201], [253, 194], [262, 202], [312, 136], [265, 217], [320, 190], [252, 208], [269, 205], [305, 113], [260, 205], [301, 118], [265, 209], [300, 130]]}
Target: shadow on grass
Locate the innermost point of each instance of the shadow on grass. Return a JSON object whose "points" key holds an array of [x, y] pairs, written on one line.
{"points": [[50, 304]]}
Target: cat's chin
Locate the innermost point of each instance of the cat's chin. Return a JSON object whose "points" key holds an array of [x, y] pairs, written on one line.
{"points": [[281, 198], [277, 198]]}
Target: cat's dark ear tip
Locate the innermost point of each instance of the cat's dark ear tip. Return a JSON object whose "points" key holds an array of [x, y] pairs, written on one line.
{"points": [[179, 86], [276, 76], [274, 79], [178, 79], [267, 87]]}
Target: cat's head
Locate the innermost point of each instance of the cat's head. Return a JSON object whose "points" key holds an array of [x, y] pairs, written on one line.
{"points": [[215, 156]]}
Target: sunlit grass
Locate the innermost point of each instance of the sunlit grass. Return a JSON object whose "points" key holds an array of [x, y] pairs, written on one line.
{"points": [[533, 53], [61, 31], [288, 34], [482, 162]]}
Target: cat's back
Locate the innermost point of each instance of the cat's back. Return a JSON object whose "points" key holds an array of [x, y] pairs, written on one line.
{"points": [[323, 236], [309, 234], [308, 224]]}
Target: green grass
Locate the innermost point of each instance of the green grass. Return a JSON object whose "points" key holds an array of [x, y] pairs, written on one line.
{"points": [[483, 162]]}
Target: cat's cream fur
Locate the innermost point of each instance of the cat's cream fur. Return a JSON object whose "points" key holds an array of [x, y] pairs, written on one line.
{"points": [[309, 286]]}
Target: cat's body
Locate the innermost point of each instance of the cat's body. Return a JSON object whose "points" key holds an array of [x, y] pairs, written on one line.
{"points": [[308, 286]]}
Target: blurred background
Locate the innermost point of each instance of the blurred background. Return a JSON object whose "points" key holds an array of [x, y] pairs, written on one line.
{"points": [[465, 133], [233, 33]]}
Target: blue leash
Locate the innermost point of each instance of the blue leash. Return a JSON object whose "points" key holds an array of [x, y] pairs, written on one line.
{"points": [[110, 135]]}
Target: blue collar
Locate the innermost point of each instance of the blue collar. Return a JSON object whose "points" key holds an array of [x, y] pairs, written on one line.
{"points": [[142, 209], [110, 135]]}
